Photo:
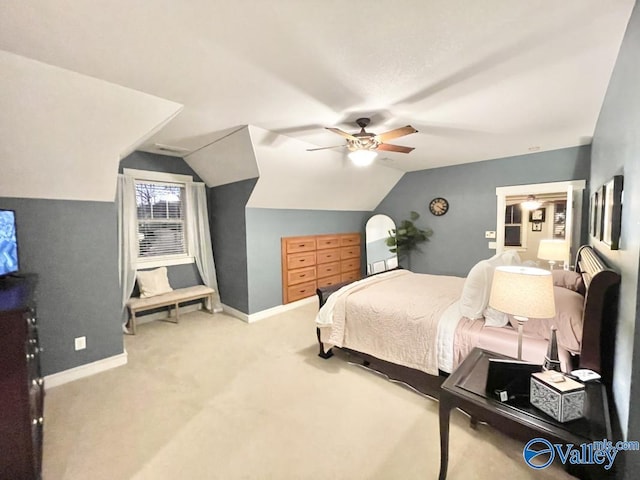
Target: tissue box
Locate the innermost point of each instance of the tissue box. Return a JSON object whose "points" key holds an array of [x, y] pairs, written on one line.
{"points": [[563, 401]]}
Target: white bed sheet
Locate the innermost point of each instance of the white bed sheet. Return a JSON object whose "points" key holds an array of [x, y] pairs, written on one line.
{"points": [[446, 324], [446, 333]]}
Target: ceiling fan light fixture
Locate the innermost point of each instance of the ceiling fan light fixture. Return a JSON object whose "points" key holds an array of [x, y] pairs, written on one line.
{"points": [[531, 203], [362, 158]]}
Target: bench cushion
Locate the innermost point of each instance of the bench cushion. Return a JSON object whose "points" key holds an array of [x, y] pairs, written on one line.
{"points": [[178, 295]]}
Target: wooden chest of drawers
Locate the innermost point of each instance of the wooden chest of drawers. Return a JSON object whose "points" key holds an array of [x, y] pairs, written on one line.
{"points": [[316, 261]]}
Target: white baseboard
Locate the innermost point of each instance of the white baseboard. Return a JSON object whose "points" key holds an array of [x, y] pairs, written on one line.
{"points": [[269, 312], [76, 373]]}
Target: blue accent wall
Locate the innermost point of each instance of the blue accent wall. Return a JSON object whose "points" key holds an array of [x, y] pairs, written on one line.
{"points": [[265, 228], [458, 240], [229, 239], [158, 163], [72, 246], [616, 150]]}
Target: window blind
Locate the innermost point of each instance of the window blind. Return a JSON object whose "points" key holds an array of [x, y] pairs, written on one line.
{"points": [[161, 219]]}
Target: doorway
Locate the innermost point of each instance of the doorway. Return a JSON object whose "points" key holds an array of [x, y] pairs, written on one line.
{"points": [[558, 217]]}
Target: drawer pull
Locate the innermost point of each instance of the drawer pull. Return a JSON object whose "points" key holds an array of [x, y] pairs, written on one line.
{"points": [[303, 275], [301, 245]]}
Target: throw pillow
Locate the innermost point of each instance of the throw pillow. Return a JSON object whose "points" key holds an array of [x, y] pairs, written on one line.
{"points": [[153, 282]]}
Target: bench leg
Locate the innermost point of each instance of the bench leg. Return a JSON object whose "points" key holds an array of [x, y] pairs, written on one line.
{"points": [[132, 322], [210, 309], [177, 312], [169, 317]]}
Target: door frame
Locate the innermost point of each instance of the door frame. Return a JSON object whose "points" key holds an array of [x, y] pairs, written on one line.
{"points": [[574, 190]]}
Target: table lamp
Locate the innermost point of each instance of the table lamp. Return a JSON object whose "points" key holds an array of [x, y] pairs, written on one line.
{"points": [[553, 250], [524, 292]]}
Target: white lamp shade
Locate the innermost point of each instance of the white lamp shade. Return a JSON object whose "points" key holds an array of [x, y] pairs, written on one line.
{"points": [[553, 250], [362, 158], [523, 291]]}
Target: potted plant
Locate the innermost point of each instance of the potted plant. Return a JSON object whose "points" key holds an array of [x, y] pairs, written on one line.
{"points": [[407, 237]]}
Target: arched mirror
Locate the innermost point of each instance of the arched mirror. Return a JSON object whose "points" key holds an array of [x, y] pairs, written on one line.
{"points": [[534, 218], [379, 258]]}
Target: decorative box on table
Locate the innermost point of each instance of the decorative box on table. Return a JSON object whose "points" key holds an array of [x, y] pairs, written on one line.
{"points": [[562, 400]]}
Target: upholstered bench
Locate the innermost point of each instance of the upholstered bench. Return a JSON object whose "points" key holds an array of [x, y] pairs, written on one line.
{"points": [[170, 299]]}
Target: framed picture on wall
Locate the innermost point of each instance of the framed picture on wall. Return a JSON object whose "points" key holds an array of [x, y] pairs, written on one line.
{"points": [[593, 204], [612, 212], [536, 227], [537, 215], [598, 213]]}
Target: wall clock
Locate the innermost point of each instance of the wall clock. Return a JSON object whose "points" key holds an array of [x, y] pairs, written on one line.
{"points": [[438, 206]]}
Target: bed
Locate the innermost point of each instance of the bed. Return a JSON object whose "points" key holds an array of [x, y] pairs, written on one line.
{"points": [[416, 328]]}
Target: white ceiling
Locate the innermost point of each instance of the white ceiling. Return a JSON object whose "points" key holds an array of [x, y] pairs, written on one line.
{"points": [[63, 134], [479, 80]]}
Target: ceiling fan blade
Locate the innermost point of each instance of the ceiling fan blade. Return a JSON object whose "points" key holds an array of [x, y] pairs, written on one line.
{"points": [[394, 148], [340, 132], [398, 132], [324, 148]]}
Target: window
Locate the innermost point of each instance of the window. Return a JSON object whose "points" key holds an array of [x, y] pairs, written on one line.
{"points": [[513, 226], [161, 218], [559, 218]]}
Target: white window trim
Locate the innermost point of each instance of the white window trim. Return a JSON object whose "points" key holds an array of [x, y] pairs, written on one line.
{"points": [[159, 177], [524, 228]]}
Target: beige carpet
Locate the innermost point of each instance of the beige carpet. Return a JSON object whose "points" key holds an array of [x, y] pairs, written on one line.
{"points": [[215, 398]]}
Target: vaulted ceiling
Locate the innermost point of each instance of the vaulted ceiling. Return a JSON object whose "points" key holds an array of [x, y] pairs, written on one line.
{"points": [[479, 80]]}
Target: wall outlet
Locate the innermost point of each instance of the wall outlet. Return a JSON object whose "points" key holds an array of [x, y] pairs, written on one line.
{"points": [[81, 343], [490, 234]]}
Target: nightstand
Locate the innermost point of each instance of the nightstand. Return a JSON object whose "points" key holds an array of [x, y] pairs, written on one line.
{"points": [[465, 389]]}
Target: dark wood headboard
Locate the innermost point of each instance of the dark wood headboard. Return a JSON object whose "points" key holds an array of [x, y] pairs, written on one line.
{"points": [[600, 312]]}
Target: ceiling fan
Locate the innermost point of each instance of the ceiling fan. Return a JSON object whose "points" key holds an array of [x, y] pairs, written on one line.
{"points": [[363, 145]]}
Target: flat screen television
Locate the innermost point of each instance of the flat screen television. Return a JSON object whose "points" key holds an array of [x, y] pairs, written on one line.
{"points": [[8, 243]]}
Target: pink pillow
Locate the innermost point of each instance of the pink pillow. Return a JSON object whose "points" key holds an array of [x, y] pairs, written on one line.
{"points": [[568, 320], [568, 279]]}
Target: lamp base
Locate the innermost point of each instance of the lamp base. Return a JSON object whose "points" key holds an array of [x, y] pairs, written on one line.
{"points": [[521, 321]]}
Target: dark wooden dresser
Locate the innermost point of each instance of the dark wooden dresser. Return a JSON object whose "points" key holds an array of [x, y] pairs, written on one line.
{"points": [[21, 384]]}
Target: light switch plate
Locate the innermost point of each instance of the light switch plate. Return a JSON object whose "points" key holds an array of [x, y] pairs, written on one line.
{"points": [[80, 343], [493, 245], [490, 234]]}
